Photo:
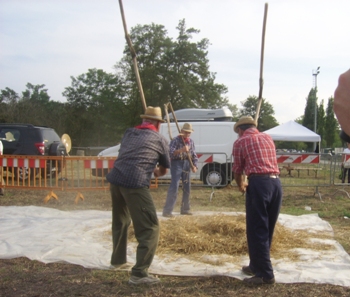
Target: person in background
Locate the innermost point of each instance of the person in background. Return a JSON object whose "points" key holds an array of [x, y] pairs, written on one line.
{"points": [[346, 164], [181, 147], [341, 104], [2, 179], [141, 149], [254, 154]]}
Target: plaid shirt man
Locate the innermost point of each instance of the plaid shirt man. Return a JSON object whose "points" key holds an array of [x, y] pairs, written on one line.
{"points": [[139, 153], [254, 152]]}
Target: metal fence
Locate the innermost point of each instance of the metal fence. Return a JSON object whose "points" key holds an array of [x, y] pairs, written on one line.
{"points": [[306, 170], [61, 173], [341, 171], [87, 173], [214, 170]]}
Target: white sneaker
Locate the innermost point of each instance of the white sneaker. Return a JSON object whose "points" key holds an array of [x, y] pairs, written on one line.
{"points": [[135, 280]]}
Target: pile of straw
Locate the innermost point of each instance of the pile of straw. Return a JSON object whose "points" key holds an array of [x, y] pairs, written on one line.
{"points": [[223, 234]]}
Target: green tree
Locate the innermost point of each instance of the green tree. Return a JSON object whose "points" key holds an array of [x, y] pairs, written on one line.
{"points": [[331, 125], [299, 120], [266, 119], [95, 107], [34, 107], [234, 110], [321, 122], [309, 113], [8, 106], [310, 108], [170, 71]]}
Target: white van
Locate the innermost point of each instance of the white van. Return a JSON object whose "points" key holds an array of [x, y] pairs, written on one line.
{"points": [[213, 141]]}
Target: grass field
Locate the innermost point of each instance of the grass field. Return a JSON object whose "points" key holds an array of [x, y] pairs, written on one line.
{"points": [[23, 277]]}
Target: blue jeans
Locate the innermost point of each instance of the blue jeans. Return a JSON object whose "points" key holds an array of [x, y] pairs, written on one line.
{"points": [[179, 169], [263, 203]]}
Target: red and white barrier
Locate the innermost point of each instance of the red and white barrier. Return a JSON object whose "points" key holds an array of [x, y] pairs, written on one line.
{"points": [[205, 158], [22, 162], [304, 158], [99, 164]]}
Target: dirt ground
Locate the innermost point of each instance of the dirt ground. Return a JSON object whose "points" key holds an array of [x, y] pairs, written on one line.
{"points": [[23, 277]]}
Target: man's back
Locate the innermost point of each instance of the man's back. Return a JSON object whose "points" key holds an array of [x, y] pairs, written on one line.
{"points": [[255, 153], [140, 151]]}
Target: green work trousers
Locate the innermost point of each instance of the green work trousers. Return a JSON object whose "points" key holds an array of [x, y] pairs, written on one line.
{"points": [[134, 205]]}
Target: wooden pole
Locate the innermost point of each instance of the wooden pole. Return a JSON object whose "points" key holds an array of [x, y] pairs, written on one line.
{"points": [[261, 80], [134, 59]]}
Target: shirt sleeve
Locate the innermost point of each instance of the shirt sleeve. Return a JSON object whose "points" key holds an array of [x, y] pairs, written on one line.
{"points": [[238, 161], [173, 147], [194, 154]]}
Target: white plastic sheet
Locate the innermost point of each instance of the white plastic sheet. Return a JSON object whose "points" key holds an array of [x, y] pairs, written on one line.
{"points": [[83, 238]]}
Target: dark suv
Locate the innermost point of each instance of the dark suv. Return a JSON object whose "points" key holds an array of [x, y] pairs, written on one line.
{"points": [[26, 139]]}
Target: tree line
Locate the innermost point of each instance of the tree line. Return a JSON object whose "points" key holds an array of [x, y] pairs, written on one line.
{"points": [[100, 106]]}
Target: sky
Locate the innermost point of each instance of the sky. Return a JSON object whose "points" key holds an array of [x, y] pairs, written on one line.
{"points": [[49, 41]]}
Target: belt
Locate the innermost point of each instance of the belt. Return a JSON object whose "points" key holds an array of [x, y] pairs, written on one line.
{"points": [[263, 175]]}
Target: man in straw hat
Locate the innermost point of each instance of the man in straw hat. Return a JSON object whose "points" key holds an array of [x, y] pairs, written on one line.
{"points": [[142, 147], [181, 147], [254, 154]]}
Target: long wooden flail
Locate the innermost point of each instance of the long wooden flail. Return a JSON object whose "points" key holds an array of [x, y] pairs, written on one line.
{"points": [[134, 59], [261, 80]]}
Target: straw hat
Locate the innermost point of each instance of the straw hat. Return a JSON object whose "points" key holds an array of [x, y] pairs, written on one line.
{"points": [[187, 127], [153, 113], [244, 120]]}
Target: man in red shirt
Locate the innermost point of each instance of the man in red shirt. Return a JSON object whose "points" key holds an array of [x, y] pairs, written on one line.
{"points": [[254, 155]]}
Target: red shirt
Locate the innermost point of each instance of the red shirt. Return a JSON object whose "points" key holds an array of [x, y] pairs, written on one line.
{"points": [[254, 152]]}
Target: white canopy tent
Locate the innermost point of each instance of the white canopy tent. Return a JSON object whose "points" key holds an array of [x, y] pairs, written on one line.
{"points": [[292, 131]]}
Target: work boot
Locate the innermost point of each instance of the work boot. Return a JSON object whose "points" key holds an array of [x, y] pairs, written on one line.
{"points": [[256, 280], [246, 270], [186, 213]]}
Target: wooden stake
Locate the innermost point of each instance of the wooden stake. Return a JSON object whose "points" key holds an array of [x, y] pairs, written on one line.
{"points": [[134, 59], [261, 80]]}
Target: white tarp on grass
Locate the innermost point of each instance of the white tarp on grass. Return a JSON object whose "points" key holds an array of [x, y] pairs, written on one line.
{"points": [[83, 238]]}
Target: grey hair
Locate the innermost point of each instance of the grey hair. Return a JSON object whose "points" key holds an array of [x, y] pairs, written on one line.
{"points": [[246, 126], [154, 122]]}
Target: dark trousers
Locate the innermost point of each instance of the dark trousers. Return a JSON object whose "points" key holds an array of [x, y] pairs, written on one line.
{"points": [[134, 205], [345, 170], [263, 204]]}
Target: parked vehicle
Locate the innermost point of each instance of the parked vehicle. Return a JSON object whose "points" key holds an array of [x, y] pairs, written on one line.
{"points": [[214, 138], [27, 139], [211, 138], [201, 115]]}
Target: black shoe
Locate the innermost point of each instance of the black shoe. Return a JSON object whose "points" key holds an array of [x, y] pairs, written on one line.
{"points": [[168, 215], [246, 270], [255, 280]]}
